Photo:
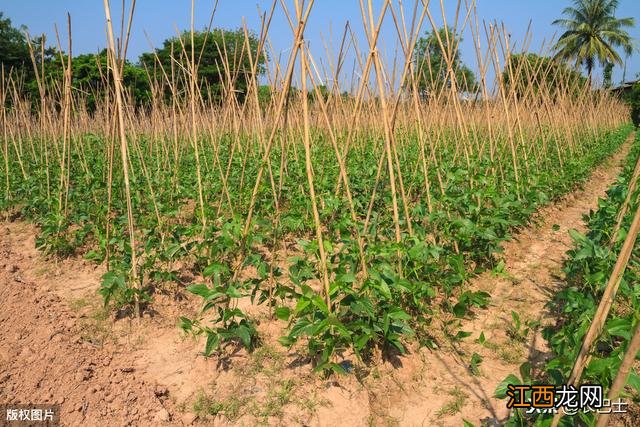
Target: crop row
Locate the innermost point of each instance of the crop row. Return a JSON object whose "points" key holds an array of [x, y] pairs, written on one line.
{"points": [[374, 290], [588, 268]]}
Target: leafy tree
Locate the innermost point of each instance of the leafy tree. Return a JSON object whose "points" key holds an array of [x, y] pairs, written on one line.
{"points": [[14, 55], [633, 99], [431, 69], [607, 74], [90, 75], [265, 95], [533, 73], [220, 47], [592, 34], [14, 51], [324, 93]]}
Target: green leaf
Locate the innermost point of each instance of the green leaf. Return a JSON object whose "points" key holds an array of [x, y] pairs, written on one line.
{"points": [[172, 250], [283, 313], [214, 268], [585, 252], [286, 341], [462, 334], [460, 309], [244, 334], [301, 305], [384, 289], [577, 236], [634, 381], [320, 304], [300, 328], [525, 371], [620, 328], [501, 390], [186, 324], [362, 341], [346, 278], [599, 367], [399, 314], [476, 360], [516, 320], [233, 292], [199, 289], [480, 299], [213, 340]]}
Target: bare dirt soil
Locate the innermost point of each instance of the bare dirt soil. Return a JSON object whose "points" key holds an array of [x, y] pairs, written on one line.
{"points": [[532, 274], [44, 358], [58, 345]]}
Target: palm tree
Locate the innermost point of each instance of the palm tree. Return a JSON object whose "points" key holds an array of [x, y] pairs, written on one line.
{"points": [[592, 33]]}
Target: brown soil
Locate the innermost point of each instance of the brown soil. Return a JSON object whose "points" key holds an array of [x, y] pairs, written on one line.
{"points": [[58, 345], [43, 356], [450, 392]]}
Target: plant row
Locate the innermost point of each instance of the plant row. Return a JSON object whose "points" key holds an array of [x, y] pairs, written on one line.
{"points": [[381, 291], [588, 268]]}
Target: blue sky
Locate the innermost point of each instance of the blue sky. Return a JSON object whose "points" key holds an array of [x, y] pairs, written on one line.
{"points": [[160, 18]]}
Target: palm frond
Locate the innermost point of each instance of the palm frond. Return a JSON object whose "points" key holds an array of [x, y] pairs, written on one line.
{"points": [[593, 33]]}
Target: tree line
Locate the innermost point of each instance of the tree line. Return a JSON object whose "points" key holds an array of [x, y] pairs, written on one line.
{"points": [[214, 49], [229, 60]]}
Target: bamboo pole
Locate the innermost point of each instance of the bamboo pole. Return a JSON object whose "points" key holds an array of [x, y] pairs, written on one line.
{"points": [[602, 311], [309, 170], [625, 205], [602, 419], [117, 79]]}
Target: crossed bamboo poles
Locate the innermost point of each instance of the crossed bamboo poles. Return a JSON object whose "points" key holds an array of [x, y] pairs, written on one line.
{"points": [[509, 124]]}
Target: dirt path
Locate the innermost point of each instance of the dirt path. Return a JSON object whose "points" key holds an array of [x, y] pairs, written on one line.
{"points": [[58, 346], [450, 391]]}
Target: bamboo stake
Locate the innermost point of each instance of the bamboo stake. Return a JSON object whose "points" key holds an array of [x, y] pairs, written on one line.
{"points": [[625, 205], [309, 170], [602, 311], [602, 419], [123, 149], [3, 97], [194, 132]]}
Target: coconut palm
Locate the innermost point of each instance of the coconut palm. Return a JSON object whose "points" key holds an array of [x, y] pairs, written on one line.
{"points": [[593, 33]]}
